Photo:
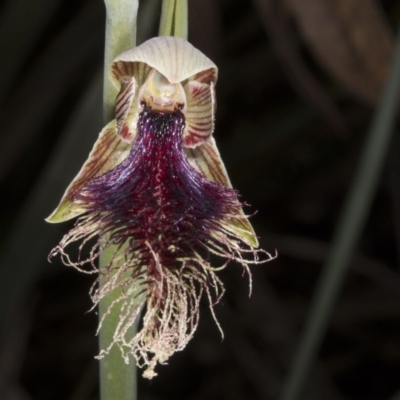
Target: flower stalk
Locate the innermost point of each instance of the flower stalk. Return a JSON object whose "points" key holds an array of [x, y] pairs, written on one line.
{"points": [[167, 18], [181, 19], [118, 380], [174, 18], [120, 36]]}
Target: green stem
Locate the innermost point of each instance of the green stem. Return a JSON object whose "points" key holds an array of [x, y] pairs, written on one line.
{"points": [[174, 18], [117, 379], [348, 231], [120, 37], [167, 18], [181, 19]]}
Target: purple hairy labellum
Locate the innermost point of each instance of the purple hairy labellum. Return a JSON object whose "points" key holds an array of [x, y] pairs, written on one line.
{"points": [[155, 193]]}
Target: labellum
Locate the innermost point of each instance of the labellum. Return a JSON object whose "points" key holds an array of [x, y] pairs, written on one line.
{"points": [[155, 190]]}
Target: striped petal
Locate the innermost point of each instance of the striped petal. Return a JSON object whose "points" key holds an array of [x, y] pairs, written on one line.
{"points": [[108, 151], [123, 106], [121, 70], [200, 110], [173, 57], [207, 160]]}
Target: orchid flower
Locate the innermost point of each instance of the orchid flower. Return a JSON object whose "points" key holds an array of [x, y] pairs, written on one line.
{"points": [[155, 189]]}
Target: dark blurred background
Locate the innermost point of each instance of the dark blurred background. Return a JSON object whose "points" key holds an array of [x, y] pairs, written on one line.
{"points": [[299, 81]]}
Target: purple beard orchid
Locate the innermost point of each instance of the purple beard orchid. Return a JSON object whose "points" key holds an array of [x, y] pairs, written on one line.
{"points": [[155, 193]]}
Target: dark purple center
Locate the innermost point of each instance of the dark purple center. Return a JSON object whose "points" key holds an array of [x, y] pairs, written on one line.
{"points": [[156, 198]]}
